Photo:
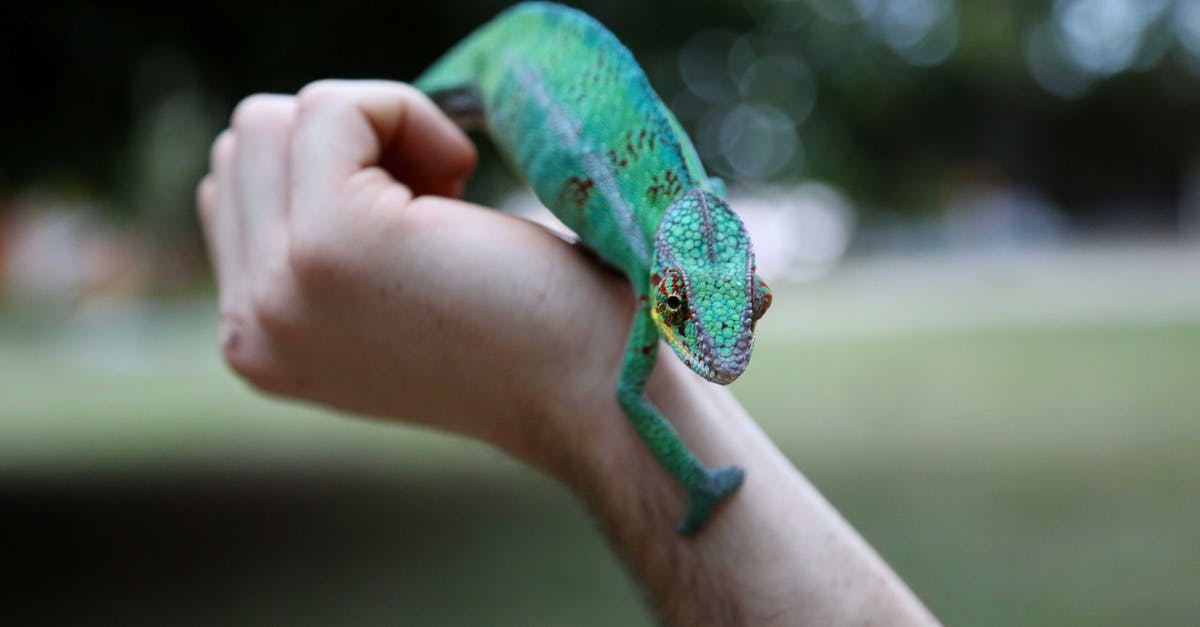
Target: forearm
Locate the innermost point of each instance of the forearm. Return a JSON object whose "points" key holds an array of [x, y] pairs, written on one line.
{"points": [[776, 553]]}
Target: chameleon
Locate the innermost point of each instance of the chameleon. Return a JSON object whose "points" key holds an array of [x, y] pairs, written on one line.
{"points": [[569, 108]]}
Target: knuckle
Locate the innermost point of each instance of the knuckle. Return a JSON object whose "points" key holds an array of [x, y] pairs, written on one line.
{"points": [[205, 194], [221, 150], [256, 367], [404, 91], [275, 307], [310, 258], [320, 93], [234, 342], [238, 362], [254, 110]]}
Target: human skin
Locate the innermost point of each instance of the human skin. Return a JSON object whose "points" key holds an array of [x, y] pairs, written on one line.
{"points": [[350, 277]]}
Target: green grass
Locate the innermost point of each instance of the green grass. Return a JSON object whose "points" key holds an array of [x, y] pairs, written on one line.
{"points": [[1031, 477], [1023, 477]]}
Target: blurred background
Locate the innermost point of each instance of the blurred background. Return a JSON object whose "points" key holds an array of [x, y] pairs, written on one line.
{"points": [[981, 220]]}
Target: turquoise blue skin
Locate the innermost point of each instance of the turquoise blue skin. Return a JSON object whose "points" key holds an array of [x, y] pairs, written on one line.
{"points": [[571, 110]]}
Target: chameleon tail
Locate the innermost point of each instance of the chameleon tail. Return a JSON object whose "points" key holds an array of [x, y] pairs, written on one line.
{"points": [[704, 488]]}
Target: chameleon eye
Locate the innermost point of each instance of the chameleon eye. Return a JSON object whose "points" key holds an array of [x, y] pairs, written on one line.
{"points": [[674, 302]]}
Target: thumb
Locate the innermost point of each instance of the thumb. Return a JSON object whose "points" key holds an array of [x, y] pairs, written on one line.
{"points": [[343, 127]]}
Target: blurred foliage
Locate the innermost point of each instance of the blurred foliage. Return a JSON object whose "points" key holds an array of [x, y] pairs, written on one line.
{"points": [[900, 102]]}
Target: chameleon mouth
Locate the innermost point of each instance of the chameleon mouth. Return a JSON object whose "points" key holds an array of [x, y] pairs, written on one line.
{"points": [[697, 362], [718, 376], [706, 370]]}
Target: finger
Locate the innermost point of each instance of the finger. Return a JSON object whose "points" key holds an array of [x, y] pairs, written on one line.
{"points": [[225, 239], [343, 127], [427, 151], [263, 124], [206, 198]]}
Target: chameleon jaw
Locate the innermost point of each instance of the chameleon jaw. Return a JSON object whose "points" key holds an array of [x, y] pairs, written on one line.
{"points": [[696, 362]]}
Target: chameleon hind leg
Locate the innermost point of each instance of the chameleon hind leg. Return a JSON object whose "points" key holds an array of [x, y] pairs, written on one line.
{"points": [[705, 488]]}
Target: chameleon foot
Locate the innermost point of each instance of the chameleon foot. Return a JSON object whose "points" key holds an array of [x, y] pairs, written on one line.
{"points": [[714, 486]]}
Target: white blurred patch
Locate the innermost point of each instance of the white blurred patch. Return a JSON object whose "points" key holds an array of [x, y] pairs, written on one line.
{"points": [[524, 204], [800, 232], [66, 255]]}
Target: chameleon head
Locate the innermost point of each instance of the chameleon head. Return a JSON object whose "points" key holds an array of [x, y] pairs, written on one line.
{"points": [[705, 296]]}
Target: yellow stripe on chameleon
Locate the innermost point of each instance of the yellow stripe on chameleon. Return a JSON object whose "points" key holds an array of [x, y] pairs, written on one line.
{"points": [[668, 334]]}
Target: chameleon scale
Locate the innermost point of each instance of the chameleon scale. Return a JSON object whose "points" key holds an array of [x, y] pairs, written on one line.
{"points": [[570, 109]]}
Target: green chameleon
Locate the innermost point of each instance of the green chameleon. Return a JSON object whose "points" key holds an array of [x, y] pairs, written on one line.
{"points": [[569, 107]]}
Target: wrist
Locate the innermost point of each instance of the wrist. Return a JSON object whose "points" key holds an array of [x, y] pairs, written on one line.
{"points": [[591, 447], [572, 398]]}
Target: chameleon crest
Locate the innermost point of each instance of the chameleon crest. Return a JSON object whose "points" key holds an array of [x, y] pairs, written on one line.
{"points": [[706, 295]]}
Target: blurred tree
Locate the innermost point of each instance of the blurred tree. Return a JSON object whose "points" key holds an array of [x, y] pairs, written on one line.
{"points": [[1092, 102]]}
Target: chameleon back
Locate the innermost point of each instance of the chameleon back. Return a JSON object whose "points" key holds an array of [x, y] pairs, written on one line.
{"points": [[569, 107]]}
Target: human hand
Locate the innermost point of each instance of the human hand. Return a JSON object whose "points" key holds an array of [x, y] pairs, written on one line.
{"points": [[340, 283], [347, 277]]}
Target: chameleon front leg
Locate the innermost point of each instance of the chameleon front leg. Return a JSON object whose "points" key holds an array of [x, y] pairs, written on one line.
{"points": [[704, 488]]}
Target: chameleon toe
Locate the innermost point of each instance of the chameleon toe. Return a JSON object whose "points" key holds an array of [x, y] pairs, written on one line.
{"points": [[718, 485]]}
